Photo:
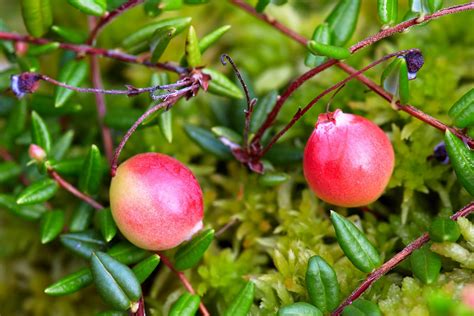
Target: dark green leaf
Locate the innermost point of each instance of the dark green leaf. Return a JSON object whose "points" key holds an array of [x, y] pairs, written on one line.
{"points": [[425, 265], [69, 34], [395, 80], [144, 268], [38, 192], [444, 229], [9, 170], [355, 245], [115, 282], [299, 309], [72, 73], [322, 284], [211, 38], [71, 283], [263, 107], [52, 223], [322, 35], [127, 253], [37, 16], [43, 49], [81, 218], [186, 305], [284, 154], [39, 132], [273, 179], [192, 51], [62, 145], [189, 254], [68, 167], [388, 11], [462, 160], [83, 243], [230, 134], [29, 212], [221, 85], [91, 175], [92, 7], [261, 5], [107, 224], [160, 41], [152, 7], [16, 120], [165, 121], [462, 112], [328, 50], [207, 141], [241, 304], [361, 307], [343, 20]]}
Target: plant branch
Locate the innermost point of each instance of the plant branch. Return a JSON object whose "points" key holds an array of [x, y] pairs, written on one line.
{"points": [[81, 49], [390, 264], [187, 285], [109, 17]]}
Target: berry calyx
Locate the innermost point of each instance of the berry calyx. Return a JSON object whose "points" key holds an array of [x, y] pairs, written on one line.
{"points": [[348, 160], [156, 201]]}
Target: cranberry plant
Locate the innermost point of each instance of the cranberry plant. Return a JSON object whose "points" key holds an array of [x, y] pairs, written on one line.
{"points": [[174, 157]]}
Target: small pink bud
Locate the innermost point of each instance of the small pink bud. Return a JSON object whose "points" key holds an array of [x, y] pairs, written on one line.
{"points": [[467, 295], [36, 153]]}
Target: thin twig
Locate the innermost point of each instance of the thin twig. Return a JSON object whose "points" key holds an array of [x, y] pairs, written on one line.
{"points": [[390, 264], [187, 285]]}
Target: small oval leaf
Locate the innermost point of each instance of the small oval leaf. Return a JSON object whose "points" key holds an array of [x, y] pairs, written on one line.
{"points": [[189, 254], [207, 141], [63, 144], [462, 111], [91, 7], [322, 284], [241, 304], [72, 73], [342, 21], [444, 229], [263, 107], [425, 265], [43, 49], [69, 34], [228, 133], [38, 192], [37, 16], [192, 51], [322, 35], [144, 268], [81, 218], [361, 307], [28, 212], [9, 170], [395, 79], [462, 160], [83, 243], [299, 309], [221, 85], [39, 132], [107, 224], [186, 305], [160, 41], [71, 283], [388, 11], [127, 253], [273, 179], [52, 223], [91, 175], [328, 50]]}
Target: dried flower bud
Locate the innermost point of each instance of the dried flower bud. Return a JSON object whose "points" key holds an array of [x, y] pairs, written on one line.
{"points": [[37, 153], [27, 82], [414, 61], [440, 153]]}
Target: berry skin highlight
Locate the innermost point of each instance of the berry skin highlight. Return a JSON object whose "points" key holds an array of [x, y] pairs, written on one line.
{"points": [[348, 160], [156, 201]]}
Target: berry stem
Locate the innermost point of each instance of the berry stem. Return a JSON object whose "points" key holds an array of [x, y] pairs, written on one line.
{"points": [[395, 260], [187, 285]]}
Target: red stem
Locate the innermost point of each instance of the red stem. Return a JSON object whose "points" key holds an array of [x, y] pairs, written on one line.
{"points": [[187, 285], [390, 264], [74, 191]]}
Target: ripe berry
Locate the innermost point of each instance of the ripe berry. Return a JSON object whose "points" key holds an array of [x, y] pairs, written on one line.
{"points": [[156, 201], [348, 160]]}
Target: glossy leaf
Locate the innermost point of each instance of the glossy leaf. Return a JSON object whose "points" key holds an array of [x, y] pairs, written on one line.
{"points": [[343, 20], [28, 212], [115, 282], [40, 133], [388, 11], [354, 244], [68, 166], [107, 225], [221, 85], [462, 112], [73, 73], [38, 192], [189, 254], [127, 253], [425, 265], [444, 229], [186, 305], [71, 283], [425, 6], [9, 170], [395, 80], [207, 141], [322, 35], [241, 304], [273, 179], [16, 120], [91, 175], [322, 285], [69, 34], [52, 223], [361, 307], [160, 41], [92, 7], [37, 16], [328, 50], [165, 122], [152, 7], [81, 218], [60, 148], [192, 51], [83, 243], [299, 309], [43, 49], [145, 268], [211, 38], [263, 107], [261, 5], [230, 134], [462, 160]]}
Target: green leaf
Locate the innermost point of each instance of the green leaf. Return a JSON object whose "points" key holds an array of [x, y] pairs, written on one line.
{"points": [[68, 167], [299, 309], [273, 179], [91, 7], [29, 212], [196, 1], [263, 107], [462, 112], [425, 265], [38, 192], [69, 34], [115, 282], [425, 6], [241, 304], [228, 133], [165, 121], [395, 79], [81, 218], [52, 223], [160, 41], [189, 254], [462, 160], [9, 170], [91, 174], [127, 253], [16, 120], [37, 16], [354, 244], [211, 38], [284, 154], [72, 73], [152, 7], [261, 5], [83, 243], [43, 49], [361, 307], [62, 145], [221, 85], [388, 11], [39, 132], [207, 141], [444, 229], [192, 51], [322, 284], [144, 268], [343, 20], [71, 283], [322, 35], [107, 224], [328, 50], [186, 305]]}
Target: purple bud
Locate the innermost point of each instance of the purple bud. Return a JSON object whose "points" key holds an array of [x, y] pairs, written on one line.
{"points": [[441, 154], [27, 82], [414, 61]]}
